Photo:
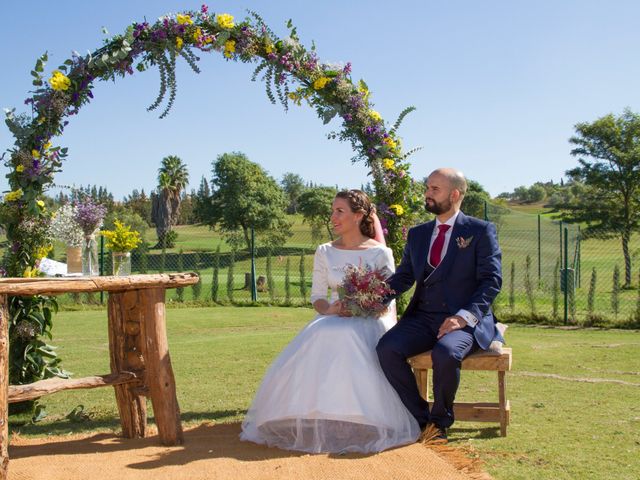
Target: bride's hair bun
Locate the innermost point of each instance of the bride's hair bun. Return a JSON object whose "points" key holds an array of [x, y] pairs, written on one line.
{"points": [[359, 203]]}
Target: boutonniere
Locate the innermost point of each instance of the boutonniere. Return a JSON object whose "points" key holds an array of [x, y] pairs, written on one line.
{"points": [[464, 242]]}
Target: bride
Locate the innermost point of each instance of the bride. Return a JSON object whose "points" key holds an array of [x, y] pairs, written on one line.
{"points": [[326, 391]]}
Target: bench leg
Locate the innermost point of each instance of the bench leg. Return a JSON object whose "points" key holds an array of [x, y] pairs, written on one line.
{"points": [[159, 373], [502, 402], [422, 379]]}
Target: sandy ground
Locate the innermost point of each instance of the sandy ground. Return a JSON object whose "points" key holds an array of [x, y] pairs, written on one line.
{"points": [[213, 451]]}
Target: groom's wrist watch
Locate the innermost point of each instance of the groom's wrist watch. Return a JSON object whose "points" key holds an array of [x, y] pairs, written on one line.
{"points": [[469, 317]]}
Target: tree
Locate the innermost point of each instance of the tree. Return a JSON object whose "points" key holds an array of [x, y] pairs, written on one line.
{"points": [[293, 186], [201, 201], [244, 196], [474, 199], [608, 151], [139, 203], [315, 206], [173, 177]]}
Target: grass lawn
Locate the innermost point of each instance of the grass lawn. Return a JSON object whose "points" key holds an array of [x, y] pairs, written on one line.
{"points": [[574, 393]]}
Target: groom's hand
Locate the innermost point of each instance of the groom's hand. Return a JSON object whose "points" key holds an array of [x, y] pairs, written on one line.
{"points": [[450, 324]]}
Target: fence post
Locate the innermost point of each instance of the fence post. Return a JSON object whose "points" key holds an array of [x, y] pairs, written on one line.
{"points": [[486, 216], [578, 263], [561, 262], [101, 265], [254, 290], [539, 255], [566, 275]]}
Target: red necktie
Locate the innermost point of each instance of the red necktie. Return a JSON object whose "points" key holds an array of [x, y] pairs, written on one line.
{"points": [[436, 248]]}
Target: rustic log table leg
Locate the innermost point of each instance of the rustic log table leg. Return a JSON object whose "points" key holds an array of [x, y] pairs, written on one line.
{"points": [[125, 349], [4, 387], [159, 374]]}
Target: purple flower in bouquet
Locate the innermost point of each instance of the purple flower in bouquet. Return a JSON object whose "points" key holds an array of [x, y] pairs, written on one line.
{"points": [[364, 289], [89, 216]]}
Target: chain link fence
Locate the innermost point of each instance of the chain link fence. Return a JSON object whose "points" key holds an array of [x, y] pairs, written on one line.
{"points": [[552, 272]]}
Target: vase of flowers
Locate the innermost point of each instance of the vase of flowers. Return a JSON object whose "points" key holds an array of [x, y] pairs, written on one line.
{"points": [[121, 240], [89, 217], [65, 229]]}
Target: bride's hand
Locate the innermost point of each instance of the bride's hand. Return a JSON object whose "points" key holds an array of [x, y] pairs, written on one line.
{"points": [[337, 308]]}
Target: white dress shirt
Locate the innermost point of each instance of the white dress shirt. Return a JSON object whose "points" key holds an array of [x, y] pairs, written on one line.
{"points": [[469, 317]]}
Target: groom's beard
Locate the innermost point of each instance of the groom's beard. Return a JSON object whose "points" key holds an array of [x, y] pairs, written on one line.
{"points": [[437, 207]]}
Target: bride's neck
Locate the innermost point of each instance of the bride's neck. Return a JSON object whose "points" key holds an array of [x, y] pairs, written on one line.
{"points": [[352, 241]]}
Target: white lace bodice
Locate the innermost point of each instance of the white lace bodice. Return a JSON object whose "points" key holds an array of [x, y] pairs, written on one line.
{"points": [[329, 263]]}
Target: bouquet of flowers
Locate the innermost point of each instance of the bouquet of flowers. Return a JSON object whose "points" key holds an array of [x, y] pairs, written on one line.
{"points": [[364, 289], [65, 228], [89, 216], [121, 238]]}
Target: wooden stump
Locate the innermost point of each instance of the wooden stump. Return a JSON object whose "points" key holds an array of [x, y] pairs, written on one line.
{"points": [[4, 387], [125, 348], [158, 371]]}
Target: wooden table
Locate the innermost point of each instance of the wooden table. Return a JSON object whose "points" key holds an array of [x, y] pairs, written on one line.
{"points": [[138, 349]]}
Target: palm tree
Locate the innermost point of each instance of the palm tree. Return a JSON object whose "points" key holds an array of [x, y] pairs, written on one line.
{"points": [[173, 177]]}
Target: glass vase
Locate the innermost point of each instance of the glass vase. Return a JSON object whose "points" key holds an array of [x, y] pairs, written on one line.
{"points": [[121, 263], [90, 265]]}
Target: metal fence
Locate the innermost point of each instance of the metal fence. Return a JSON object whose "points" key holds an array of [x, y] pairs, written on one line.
{"points": [[548, 269]]}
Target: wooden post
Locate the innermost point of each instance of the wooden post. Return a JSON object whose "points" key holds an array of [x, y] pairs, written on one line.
{"points": [[502, 402], [4, 387], [159, 373], [125, 350]]}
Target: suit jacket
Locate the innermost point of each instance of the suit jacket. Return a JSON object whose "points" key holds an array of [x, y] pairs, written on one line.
{"points": [[469, 276]]}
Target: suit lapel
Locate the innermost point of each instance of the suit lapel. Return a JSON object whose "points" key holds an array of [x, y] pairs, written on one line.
{"points": [[460, 229], [423, 252]]}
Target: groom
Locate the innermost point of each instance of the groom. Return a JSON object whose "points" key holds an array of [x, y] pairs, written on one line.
{"points": [[454, 261]]}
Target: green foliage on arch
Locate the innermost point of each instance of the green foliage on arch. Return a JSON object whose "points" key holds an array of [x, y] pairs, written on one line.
{"points": [[292, 75]]}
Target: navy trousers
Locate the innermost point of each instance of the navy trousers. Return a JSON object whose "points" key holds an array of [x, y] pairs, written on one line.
{"points": [[417, 333]]}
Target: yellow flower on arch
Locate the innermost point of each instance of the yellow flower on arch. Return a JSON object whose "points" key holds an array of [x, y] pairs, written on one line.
{"points": [[47, 146], [268, 48], [40, 203], [390, 142], [35, 153], [388, 163], [197, 35], [375, 116], [321, 82], [399, 210], [225, 20], [20, 168], [59, 81], [13, 196], [229, 48], [179, 43], [184, 19]]}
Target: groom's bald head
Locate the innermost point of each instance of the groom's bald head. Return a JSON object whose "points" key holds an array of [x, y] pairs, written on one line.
{"points": [[455, 178]]}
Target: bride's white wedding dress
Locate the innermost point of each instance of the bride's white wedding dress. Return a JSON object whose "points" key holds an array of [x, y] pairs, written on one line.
{"points": [[326, 391]]}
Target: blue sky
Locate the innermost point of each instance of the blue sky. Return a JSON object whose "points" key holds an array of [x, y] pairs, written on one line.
{"points": [[498, 86]]}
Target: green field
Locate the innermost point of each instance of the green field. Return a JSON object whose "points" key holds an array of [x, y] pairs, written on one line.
{"points": [[574, 393]]}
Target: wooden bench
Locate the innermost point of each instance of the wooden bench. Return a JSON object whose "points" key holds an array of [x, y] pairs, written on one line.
{"points": [[477, 411]]}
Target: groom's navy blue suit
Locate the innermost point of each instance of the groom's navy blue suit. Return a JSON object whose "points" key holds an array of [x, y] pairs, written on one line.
{"points": [[468, 277]]}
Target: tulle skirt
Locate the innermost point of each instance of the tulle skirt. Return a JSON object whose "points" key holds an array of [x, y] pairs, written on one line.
{"points": [[326, 393]]}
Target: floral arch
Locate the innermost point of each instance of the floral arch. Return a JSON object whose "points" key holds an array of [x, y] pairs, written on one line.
{"points": [[292, 75]]}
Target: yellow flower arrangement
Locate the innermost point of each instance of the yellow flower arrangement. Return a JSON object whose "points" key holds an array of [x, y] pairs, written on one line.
{"points": [[59, 81], [12, 196], [229, 48], [184, 19], [122, 238], [399, 210], [179, 43], [388, 163], [390, 142], [225, 20], [197, 34], [321, 82], [375, 116]]}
